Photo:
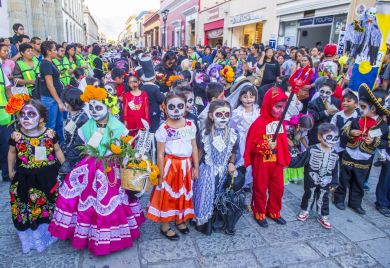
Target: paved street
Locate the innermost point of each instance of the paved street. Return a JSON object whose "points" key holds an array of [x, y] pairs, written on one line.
{"points": [[355, 241]]}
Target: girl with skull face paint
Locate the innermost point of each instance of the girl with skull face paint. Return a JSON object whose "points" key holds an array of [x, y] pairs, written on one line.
{"points": [[33, 168], [321, 173], [91, 196], [177, 158]]}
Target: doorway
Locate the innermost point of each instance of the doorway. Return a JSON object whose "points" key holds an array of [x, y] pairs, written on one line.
{"points": [[314, 36]]}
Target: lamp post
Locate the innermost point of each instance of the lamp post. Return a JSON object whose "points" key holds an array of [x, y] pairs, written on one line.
{"points": [[164, 14]]}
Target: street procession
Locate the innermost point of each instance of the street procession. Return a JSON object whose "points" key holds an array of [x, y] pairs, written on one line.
{"points": [[195, 133]]}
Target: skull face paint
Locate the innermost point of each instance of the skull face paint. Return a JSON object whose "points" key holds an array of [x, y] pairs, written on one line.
{"points": [[278, 109], [111, 89], [365, 108], [29, 117], [325, 92], [221, 117], [330, 139], [190, 102], [176, 108], [98, 110]]}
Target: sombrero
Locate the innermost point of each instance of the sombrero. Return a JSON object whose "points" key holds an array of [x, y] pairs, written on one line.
{"points": [[376, 98]]}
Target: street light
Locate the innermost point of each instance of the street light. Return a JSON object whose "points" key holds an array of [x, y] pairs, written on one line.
{"points": [[164, 14]]}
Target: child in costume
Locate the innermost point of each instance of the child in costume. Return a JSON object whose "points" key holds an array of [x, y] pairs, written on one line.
{"points": [[177, 158], [135, 107], [218, 147], [328, 67], [214, 91], [246, 112], [268, 158], [363, 136], [33, 158], [92, 208], [321, 173]]}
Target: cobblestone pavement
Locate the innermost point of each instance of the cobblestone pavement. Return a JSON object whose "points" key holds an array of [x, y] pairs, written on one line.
{"points": [[355, 241]]}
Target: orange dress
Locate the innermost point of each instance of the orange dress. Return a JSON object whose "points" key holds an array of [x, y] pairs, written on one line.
{"points": [[173, 200]]}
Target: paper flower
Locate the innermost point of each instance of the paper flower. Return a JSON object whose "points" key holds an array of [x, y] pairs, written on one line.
{"points": [[228, 73], [16, 103], [172, 79]]}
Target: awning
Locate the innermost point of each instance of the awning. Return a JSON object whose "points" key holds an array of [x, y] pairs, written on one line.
{"points": [[218, 24]]}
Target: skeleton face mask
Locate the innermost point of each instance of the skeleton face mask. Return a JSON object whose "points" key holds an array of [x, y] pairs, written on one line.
{"points": [[190, 102], [98, 110], [111, 89], [176, 108], [221, 117], [371, 13], [325, 92], [29, 117], [330, 139], [365, 108]]}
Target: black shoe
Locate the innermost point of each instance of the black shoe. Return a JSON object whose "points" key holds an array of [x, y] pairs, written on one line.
{"points": [[262, 223], [204, 228], [280, 221], [383, 210], [183, 231], [230, 232], [174, 237], [340, 206], [359, 210]]}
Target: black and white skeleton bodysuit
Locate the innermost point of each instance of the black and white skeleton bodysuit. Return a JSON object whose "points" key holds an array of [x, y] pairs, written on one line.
{"points": [[321, 172]]}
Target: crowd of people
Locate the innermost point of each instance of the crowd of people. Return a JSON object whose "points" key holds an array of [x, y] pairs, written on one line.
{"points": [[224, 123]]}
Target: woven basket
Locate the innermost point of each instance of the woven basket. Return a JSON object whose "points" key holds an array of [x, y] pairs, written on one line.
{"points": [[135, 180]]}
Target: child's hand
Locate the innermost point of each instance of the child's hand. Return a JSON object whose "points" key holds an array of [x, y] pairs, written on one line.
{"points": [[332, 188], [11, 174], [160, 178], [271, 145], [331, 111], [195, 173], [231, 168], [356, 132], [368, 140]]}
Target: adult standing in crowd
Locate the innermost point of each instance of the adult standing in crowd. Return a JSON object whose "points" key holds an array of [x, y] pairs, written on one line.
{"points": [[269, 67]]}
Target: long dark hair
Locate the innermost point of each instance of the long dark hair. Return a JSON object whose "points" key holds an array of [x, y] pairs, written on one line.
{"points": [[247, 89], [69, 47], [214, 105]]}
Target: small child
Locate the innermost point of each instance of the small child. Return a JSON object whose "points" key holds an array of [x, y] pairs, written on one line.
{"points": [[214, 91], [76, 119], [118, 77], [321, 173], [171, 200], [33, 169], [246, 112]]}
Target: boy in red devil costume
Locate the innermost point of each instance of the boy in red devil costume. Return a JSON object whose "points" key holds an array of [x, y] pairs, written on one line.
{"points": [[268, 158]]}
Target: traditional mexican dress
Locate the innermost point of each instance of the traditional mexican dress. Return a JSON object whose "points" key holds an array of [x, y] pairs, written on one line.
{"points": [[173, 200], [33, 190], [92, 208], [135, 108]]}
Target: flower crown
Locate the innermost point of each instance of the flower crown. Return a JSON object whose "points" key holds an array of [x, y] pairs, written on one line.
{"points": [[16, 103], [93, 93], [172, 79], [228, 73]]}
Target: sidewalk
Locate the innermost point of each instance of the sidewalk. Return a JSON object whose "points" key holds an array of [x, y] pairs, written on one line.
{"points": [[355, 241]]}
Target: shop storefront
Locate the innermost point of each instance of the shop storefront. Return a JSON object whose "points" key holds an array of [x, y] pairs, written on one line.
{"points": [[213, 33], [246, 29]]}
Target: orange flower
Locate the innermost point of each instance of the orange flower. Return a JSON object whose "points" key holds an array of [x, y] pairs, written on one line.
{"points": [[193, 64], [115, 149], [153, 177], [16, 103], [131, 165], [126, 139], [142, 165], [34, 142], [155, 169], [108, 169], [228, 74], [93, 93], [172, 79]]}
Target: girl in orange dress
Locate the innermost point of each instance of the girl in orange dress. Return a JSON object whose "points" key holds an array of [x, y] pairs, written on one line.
{"points": [[177, 158]]}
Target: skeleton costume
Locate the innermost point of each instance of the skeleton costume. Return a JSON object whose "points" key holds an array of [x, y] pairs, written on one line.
{"points": [[321, 171], [358, 156]]}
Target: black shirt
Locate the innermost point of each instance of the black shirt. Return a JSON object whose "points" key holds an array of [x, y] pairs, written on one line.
{"points": [[271, 72], [48, 68]]}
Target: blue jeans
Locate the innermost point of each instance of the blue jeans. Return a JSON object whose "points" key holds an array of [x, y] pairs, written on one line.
{"points": [[383, 187], [56, 118]]}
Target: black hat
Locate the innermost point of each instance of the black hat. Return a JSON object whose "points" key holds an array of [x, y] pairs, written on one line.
{"points": [[147, 69], [376, 98], [138, 71]]}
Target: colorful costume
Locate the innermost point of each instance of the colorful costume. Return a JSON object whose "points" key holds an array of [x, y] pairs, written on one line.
{"points": [[267, 165], [173, 200], [92, 208], [135, 108], [33, 190]]}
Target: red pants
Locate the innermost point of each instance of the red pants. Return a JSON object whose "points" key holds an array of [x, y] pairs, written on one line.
{"points": [[267, 176]]}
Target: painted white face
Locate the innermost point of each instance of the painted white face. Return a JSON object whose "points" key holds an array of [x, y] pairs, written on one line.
{"points": [[176, 108], [98, 110], [364, 108], [331, 139], [29, 117], [371, 13], [111, 89], [190, 102], [221, 117], [325, 92]]}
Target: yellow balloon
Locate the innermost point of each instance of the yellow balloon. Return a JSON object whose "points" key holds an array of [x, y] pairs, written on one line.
{"points": [[343, 60], [365, 67]]}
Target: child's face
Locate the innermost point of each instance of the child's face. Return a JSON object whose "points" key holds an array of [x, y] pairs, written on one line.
{"points": [[348, 104], [176, 108], [133, 83], [278, 109], [367, 109], [119, 80], [190, 101], [325, 92], [329, 139], [29, 117], [247, 100], [221, 117]]}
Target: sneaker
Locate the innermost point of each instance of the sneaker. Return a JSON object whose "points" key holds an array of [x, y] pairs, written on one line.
{"points": [[366, 188], [303, 215], [324, 221]]}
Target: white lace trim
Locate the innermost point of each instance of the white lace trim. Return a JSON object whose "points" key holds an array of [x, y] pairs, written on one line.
{"points": [[170, 213], [76, 187], [176, 195]]}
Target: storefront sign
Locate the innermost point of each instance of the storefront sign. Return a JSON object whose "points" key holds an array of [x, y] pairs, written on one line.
{"points": [[340, 43], [213, 14], [215, 33], [305, 22], [245, 18], [272, 43], [323, 20]]}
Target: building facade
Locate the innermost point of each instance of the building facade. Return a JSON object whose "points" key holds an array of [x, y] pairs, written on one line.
{"points": [[181, 22], [4, 20], [152, 30], [91, 27], [73, 21]]}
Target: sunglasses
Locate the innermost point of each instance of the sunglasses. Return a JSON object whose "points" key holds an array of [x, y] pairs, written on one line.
{"points": [[222, 114]]}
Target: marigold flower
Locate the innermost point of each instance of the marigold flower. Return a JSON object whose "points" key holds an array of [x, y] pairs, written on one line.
{"points": [[93, 93], [15, 104], [108, 169], [36, 212], [34, 142], [155, 169], [143, 165], [126, 139], [132, 165], [172, 79], [228, 73], [115, 149], [153, 177]]}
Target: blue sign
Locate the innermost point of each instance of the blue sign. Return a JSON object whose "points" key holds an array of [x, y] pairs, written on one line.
{"points": [[272, 43], [323, 20], [340, 43], [305, 22]]}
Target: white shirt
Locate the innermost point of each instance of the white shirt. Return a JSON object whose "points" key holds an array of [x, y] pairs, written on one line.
{"points": [[333, 121]]}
